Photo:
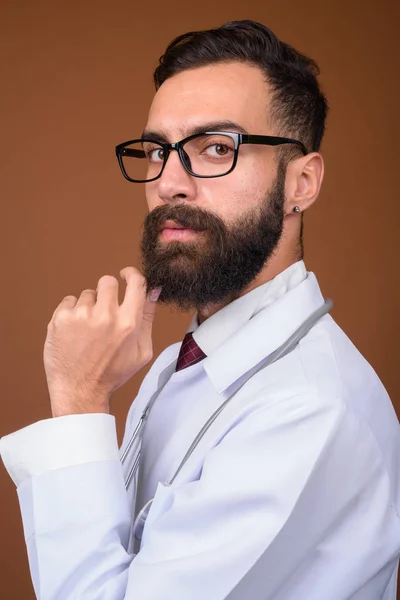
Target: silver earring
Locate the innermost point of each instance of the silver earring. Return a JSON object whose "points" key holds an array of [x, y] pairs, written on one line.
{"points": [[296, 209]]}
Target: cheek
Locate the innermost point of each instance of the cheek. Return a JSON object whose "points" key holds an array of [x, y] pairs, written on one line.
{"points": [[234, 194], [261, 175]]}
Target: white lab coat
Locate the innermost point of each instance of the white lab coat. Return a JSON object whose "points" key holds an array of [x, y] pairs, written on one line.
{"points": [[293, 493]]}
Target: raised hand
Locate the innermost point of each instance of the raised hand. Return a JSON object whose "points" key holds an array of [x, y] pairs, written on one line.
{"points": [[94, 345]]}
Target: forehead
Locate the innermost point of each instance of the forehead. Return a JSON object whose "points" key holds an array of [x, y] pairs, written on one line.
{"points": [[235, 91]]}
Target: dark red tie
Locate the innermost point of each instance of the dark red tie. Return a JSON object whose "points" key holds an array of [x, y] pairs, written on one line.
{"points": [[189, 354]]}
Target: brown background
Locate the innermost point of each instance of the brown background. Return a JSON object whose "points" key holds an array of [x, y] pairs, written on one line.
{"points": [[75, 81]]}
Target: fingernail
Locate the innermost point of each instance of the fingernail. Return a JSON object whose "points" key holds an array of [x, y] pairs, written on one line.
{"points": [[154, 294]]}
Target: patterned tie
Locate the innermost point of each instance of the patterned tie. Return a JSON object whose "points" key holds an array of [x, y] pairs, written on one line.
{"points": [[189, 354]]}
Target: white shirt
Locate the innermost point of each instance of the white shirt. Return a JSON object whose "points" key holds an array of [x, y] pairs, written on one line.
{"points": [[292, 493]]}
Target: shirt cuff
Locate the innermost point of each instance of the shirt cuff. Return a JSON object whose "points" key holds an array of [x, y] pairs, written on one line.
{"points": [[59, 442]]}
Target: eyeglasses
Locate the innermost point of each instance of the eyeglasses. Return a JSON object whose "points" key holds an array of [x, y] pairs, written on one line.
{"points": [[208, 154]]}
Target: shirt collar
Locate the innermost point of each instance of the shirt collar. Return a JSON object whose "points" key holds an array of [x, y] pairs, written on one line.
{"points": [[263, 333], [221, 326]]}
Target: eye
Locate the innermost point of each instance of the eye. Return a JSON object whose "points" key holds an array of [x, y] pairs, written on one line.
{"points": [[221, 150], [155, 154], [218, 150]]}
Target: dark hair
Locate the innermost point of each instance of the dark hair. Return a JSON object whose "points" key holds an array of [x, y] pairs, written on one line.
{"points": [[298, 104]]}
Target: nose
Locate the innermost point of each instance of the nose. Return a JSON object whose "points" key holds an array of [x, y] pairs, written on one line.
{"points": [[175, 183]]}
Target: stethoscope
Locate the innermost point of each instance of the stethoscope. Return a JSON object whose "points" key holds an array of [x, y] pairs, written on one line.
{"points": [[284, 349]]}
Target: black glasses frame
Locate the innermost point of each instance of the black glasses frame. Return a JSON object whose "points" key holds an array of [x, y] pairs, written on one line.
{"points": [[238, 139]]}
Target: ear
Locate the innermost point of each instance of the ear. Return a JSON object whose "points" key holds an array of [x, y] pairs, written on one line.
{"points": [[303, 182]]}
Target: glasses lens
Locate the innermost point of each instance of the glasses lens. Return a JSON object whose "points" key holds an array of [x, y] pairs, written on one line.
{"points": [[210, 154], [143, 160]]}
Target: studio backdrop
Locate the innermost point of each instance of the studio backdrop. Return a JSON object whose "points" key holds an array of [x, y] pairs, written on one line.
{"points": [[76, 79]]}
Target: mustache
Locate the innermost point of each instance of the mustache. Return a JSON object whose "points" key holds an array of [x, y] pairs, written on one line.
{"points": [[195, 218]]}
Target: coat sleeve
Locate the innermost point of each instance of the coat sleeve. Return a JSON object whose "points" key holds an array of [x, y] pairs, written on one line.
{"points": [[203, 537], [74, 505]]}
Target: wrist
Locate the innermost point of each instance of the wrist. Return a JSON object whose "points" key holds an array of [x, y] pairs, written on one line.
{"points": [[72, 404], [63, 412]]}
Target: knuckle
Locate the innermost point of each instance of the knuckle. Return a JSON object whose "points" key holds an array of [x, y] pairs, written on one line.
{"points": [[104, 319], [140, 280], [61, 316], [148, 355], [138, 274], [65, 303], [109, 279], [134, 273], [82, 311], [126, 325], [129, 269]]}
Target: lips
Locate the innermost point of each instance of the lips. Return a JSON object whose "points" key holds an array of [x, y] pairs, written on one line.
{"points": [[170, 224]]}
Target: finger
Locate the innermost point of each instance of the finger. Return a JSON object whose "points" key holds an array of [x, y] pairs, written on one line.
{"points": [[107, 293], [149, 310], [135, 293], [67, 302], [145, 339], [87, 298]]}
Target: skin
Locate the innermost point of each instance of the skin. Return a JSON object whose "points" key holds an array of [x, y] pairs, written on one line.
{"points": [[93, 344], [239, 93]]}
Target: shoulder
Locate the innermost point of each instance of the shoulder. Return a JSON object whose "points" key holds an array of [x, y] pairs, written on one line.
{"points": [[327, 372], [328, 362]]}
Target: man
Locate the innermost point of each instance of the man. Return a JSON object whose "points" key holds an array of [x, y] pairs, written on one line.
{"points": [[291, 492]]}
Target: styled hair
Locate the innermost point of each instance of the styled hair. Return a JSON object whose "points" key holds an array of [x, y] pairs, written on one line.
{"points": [[298, 106]]}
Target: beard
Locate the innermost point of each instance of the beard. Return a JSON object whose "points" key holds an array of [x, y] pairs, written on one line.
{"points": [[222, 261]]}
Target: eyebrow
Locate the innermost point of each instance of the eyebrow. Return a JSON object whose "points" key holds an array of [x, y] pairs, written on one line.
{"points": [[162, 136]]}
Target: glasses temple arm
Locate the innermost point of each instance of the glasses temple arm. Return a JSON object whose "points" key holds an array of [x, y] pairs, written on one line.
{"points": [[271, 141], [131, 152]]}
